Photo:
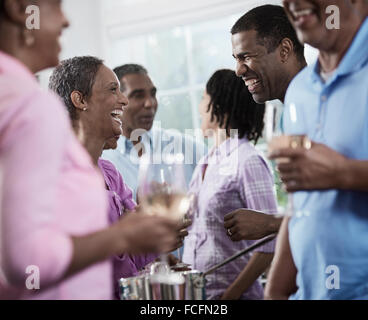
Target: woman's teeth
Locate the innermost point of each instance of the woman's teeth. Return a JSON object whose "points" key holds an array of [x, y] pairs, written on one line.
{"points": [[116, 114]]}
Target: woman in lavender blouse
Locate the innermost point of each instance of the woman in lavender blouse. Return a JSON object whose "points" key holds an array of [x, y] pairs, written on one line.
{"points": [[233, 175], [55, 240], [97, 122]]}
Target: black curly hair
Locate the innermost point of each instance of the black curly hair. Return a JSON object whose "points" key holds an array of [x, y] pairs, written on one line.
{"points": [[76, 74], [233, 107]]}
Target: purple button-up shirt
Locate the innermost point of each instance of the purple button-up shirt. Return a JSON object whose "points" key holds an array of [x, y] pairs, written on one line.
{"points": [[236, 177], [120, 199]]}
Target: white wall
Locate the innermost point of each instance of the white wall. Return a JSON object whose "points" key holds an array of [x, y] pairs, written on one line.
{"points": [[95, 24], [129, 18], [310, 53], [86, 34]]}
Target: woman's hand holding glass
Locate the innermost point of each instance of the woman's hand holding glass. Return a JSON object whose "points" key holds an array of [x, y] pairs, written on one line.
{"points": [[162, 192]]}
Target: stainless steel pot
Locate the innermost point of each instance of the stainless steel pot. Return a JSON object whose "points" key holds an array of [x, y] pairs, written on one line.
{"points": [[188, 285], [185, 285], [167, 286], [194, 288], [135, 288]]}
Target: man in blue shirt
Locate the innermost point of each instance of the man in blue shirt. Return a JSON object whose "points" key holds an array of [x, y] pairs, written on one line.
{"points": [[322, 251], [139, 134]]}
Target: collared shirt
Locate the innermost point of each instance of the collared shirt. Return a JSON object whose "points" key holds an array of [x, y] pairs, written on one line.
{"points": [[329, 230], [50, 192], [157, 142], [236, 177], [121, 199]]}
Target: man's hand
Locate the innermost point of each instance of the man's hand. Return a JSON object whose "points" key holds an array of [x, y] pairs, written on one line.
{"points": [[318, 168], [244, 224]]}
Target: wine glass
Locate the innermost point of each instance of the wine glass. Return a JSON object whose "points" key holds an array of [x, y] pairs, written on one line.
{"points": [[162, 189], [272, 122], [276, 139]]}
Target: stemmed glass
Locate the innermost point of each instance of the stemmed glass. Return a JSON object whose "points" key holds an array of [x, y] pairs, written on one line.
{"points": [[276, 139], [163, 190]]}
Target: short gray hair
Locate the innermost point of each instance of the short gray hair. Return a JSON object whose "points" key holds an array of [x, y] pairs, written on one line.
{"points": [[76, 74]]}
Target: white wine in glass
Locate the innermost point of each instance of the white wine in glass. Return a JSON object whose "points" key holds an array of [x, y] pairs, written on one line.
{"points": [[163, 189]]}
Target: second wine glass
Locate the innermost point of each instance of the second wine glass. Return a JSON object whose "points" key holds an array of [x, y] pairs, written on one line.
{"points": [[163, 189], [276, 139]]}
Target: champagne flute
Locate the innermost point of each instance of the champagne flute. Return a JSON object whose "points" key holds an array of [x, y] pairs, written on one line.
{"points": [[276, 139], [162, 189], [272, 122]]}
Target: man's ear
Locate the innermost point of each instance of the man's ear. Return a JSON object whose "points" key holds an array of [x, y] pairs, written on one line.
{"points": [[286, 49], [78, 101]]}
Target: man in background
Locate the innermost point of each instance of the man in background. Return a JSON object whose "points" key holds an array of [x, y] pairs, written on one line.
{"points": [[139, 134]]}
